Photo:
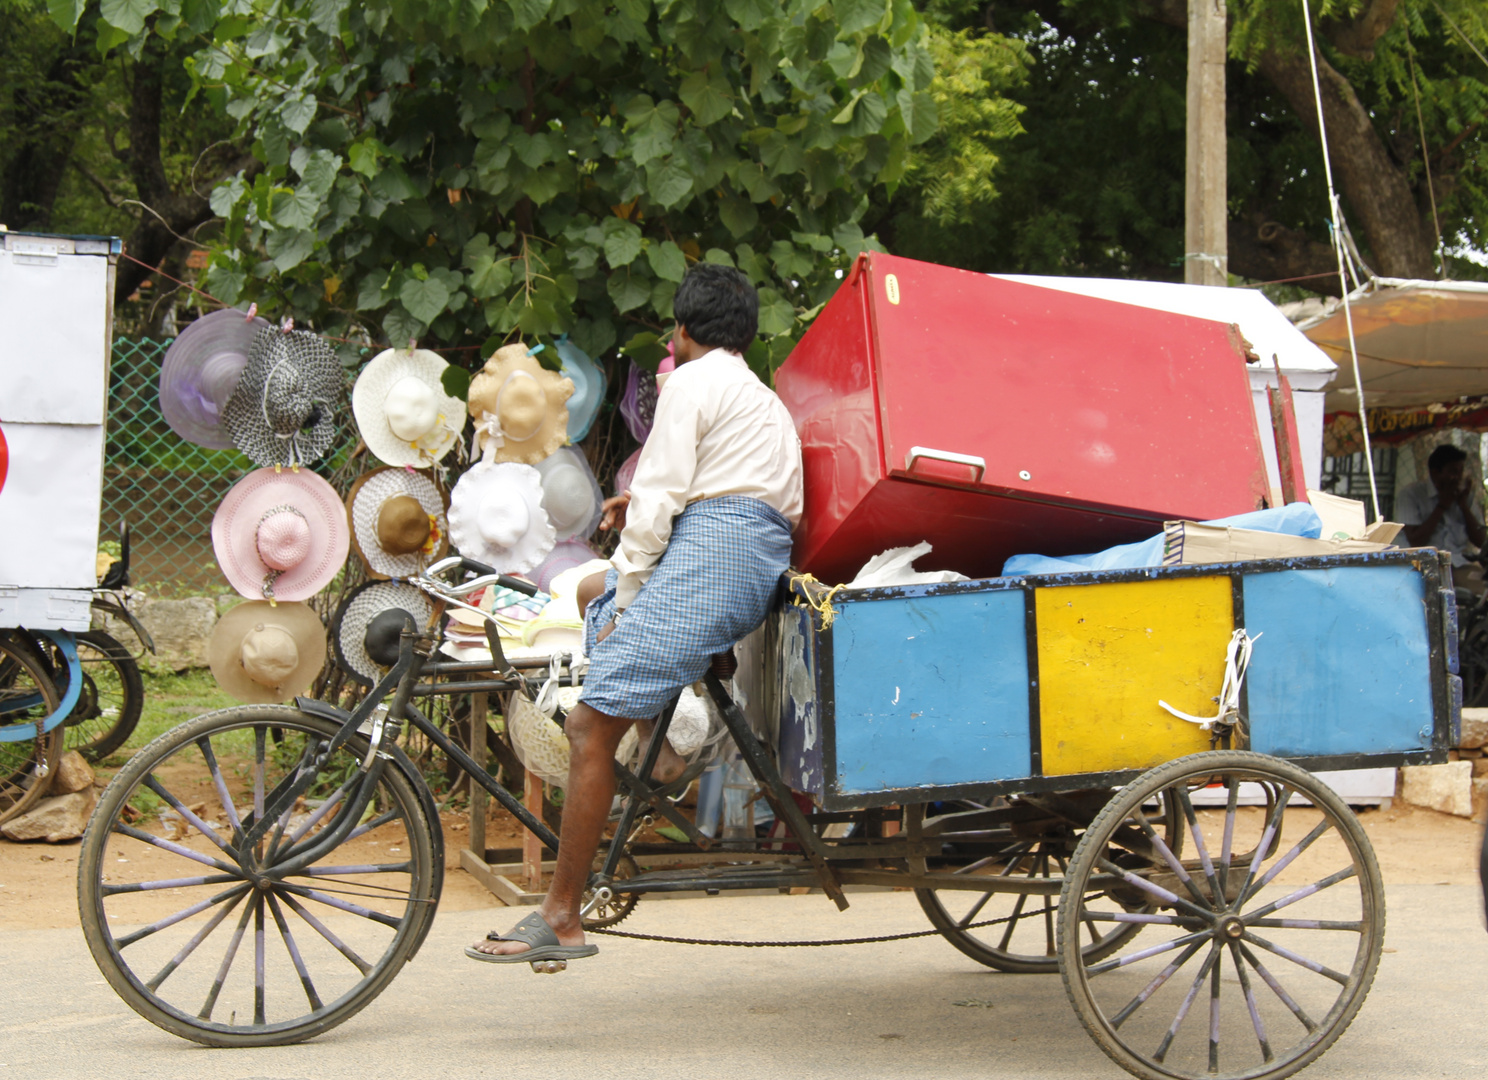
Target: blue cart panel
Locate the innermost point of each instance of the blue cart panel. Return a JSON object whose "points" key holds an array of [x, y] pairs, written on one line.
{"points": [[1002, 685]]}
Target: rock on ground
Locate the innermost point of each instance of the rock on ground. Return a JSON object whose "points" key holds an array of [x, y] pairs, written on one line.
{"points": [[1444, 788], [181, 629], [54, 820], [1474, 729], [73, 774]]}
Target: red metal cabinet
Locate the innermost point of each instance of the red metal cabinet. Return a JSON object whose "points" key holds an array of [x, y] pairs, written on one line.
{"points": [[992, 417]]}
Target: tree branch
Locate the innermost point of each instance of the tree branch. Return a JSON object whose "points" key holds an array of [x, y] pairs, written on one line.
{"points": [[1357, 36], [1265, 250]]}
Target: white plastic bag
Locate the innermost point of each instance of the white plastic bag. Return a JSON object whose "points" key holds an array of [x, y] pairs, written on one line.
{"points": [[896, 567]]}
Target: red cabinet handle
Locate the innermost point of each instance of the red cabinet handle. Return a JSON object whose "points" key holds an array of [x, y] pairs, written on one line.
{"points": [[917, 452]]}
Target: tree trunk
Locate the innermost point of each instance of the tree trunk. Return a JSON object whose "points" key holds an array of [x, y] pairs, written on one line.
{"points": [[1376, 188], [48, 116]]}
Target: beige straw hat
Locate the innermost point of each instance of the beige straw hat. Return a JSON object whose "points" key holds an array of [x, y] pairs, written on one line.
{"points": [[519, 406], [398, 522], [263, 654]]}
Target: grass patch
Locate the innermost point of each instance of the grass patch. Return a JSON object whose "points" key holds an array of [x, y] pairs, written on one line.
{"points": [[171, 700]]}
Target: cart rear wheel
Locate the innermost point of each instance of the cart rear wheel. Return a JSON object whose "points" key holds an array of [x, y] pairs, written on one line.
{"points": [[27, 696], [1013, 931], [1261, 948], [229, 956], [111, 700]]}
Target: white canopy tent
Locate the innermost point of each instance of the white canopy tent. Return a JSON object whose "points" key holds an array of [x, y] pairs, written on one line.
{"points": [[1419, 342], [1263, 325]]}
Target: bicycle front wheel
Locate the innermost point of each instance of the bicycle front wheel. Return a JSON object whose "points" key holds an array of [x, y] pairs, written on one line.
{"points": [[230, 951]]}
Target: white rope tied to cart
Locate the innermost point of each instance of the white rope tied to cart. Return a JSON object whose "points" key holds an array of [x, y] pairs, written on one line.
{"points": [[1237, 659]]}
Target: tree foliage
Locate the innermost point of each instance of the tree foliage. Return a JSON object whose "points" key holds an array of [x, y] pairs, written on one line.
{"points": [[1095, 184], [448, 170]]}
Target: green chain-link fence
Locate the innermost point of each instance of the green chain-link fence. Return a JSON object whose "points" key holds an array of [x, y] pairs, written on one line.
{"points": [[164, 487]]}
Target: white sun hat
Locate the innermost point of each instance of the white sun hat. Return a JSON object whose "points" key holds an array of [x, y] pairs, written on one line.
{"points": [[571, 495], [496, 517], [400, 406]]}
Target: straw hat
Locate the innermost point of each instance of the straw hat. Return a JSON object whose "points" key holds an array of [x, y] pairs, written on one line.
{"points": [[280, 535], [590, 384], [496, 517], [283, 411], [401, 409], [366, 630], [571, 495], [398, 523], [519, 406], [263, 653], [201, 371]]}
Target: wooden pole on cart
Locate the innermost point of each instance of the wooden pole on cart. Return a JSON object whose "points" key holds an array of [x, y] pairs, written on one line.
{"points": [[532, 848], [478, 794]]}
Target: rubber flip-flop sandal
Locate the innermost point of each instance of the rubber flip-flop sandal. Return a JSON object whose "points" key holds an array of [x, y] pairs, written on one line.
{"points": [[542, 943]]}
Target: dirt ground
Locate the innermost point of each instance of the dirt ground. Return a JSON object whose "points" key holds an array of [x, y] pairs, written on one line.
{"points": [[38, 881]]}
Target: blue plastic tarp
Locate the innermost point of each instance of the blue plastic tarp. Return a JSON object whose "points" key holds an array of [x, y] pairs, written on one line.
{"points": [[1294, 519]]}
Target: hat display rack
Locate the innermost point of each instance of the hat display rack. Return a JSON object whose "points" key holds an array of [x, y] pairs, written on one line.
{"points": [[309, 552]]}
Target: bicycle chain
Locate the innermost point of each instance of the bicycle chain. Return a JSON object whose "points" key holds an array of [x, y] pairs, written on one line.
{"points": [[792, 944]]}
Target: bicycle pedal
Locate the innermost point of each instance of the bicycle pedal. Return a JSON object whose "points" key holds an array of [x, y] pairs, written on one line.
{"points": [[549, 967]]}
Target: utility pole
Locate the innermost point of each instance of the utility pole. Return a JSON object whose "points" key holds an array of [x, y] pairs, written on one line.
{"points": [[1206, 248]]}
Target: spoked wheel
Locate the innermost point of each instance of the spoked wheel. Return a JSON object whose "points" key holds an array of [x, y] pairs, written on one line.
{"points": [[341, 892], [1019, 847], [1261, 948], [111, 699], [27, 697]]}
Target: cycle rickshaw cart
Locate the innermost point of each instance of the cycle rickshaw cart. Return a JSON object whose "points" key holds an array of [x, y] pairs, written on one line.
{"points": [[1212, 907]]}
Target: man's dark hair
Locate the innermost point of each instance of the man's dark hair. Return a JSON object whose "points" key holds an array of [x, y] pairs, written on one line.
{"points": [[718, 306], [1444, 455]]}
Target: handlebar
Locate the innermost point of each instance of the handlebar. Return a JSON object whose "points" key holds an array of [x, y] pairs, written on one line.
{"points": [[485, 576]]}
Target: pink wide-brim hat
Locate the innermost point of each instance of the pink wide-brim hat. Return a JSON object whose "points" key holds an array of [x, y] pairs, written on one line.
{"points": [[290, 522]]}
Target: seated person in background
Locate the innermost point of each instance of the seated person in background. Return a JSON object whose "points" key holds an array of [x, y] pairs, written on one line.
{"points": [[1444, 512]]}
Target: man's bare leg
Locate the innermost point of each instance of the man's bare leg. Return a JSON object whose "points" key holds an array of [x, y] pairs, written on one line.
{"points": [[593, 737], [669, 763]]}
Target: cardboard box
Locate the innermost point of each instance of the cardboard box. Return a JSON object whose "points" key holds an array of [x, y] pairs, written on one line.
{"points": [[1187, 542]]}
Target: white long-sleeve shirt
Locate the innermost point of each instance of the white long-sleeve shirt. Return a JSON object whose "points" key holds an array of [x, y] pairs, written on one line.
{"points": [[718, 431]]}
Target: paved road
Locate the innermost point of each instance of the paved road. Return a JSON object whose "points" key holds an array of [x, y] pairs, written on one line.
{"points": [[661, 1011]]}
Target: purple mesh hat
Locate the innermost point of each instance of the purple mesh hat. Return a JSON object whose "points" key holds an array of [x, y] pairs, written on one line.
{"points": [[626, 473], [564, 556], [200, 371], [638, 404]]}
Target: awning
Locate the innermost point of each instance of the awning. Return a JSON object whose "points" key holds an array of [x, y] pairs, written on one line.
{"points": [[1419, 342]]}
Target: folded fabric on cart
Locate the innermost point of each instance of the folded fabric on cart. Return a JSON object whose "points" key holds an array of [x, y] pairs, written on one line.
{"points": [[1293, 519]]}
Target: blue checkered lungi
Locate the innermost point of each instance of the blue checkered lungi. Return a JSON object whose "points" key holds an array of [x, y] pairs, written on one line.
{"points": [[712, 587]]}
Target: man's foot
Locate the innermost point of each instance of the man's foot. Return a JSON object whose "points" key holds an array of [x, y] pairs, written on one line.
{"points": [[535, 938], [669, 764]]}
